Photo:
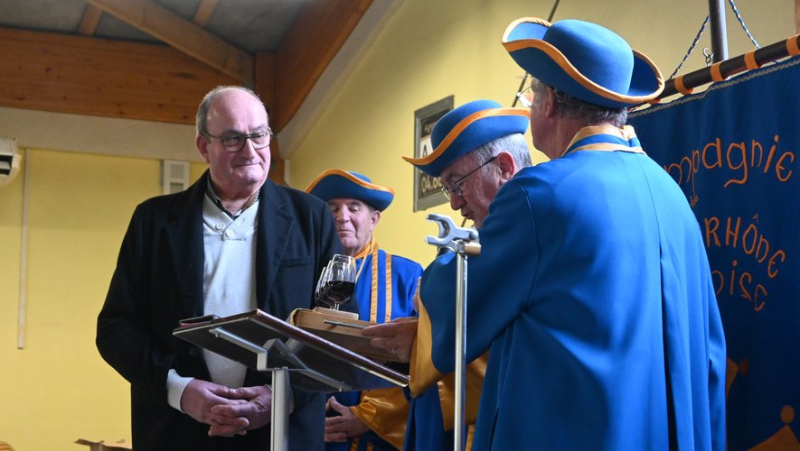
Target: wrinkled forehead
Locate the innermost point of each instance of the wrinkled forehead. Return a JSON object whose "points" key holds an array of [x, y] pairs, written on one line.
{"points": [[236, 110]]}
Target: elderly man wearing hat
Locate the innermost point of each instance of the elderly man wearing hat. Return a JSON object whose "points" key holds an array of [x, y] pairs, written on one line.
{"points": [[385, 288], [593, 290], [478, 147]]}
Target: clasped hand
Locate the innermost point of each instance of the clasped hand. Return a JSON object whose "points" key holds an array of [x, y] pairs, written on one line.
{"points": [[342, 426], [229, 411]]}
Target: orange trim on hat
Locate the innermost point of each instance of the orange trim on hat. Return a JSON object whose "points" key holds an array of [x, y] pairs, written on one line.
{"points": [[750, 60], [461, 126], [513, 25], [681, 87], [791, 45], [349, 177], [574, 73]]}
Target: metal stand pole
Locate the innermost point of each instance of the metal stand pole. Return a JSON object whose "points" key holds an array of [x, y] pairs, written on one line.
{"points": [[280, 410], [719, 41], [279, 423], [464, 242], [461, 347]]}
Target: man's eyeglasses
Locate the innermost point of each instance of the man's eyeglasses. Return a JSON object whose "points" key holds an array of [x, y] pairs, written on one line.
{"points": [[235, 142], [456, 189], [526, 97]]}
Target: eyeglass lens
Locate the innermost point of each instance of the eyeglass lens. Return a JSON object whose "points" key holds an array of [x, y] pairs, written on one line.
{"points": [[235, 143], [447, 191], [526, 97]]}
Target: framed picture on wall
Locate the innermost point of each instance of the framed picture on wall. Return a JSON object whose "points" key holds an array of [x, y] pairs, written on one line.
{"points": [[427, 189]]}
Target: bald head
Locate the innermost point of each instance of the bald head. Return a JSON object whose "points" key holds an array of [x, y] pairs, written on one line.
{"points": [[202, 111]]}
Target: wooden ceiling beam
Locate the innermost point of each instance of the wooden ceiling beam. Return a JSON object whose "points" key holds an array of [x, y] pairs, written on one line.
{"points": [[204, 12], [102, 77], [310, 44], [183, 35], [91, 17]]}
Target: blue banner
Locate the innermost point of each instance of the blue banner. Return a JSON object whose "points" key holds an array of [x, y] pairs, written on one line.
{"points": [[733, 150]]}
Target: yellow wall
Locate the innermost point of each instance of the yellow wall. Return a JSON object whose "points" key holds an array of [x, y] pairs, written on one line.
{"points": [[57, 388], [10, 219], [432, 49]]}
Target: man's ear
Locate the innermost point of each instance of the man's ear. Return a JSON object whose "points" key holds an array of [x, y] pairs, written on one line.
{"points": [[375, 217], [549, 102], [202, 146], [507, 165]]}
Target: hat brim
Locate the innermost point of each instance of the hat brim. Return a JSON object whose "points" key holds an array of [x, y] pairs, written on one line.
{"points": [[339, 184], [470, 133], [523, 41]]}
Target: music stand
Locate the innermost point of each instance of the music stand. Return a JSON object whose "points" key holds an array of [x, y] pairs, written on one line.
{"points": [[268, 344]]}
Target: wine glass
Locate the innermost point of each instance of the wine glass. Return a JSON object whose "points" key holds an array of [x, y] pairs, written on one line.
{"points": [[340, 281]]}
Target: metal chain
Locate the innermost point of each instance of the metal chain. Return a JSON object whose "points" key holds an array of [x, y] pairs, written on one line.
{"points": [[708, 55], [525, 78], [741, 21], [691, 48]]}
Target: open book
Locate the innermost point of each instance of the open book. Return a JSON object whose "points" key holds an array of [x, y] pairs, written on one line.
{"points": [[342, 329]]}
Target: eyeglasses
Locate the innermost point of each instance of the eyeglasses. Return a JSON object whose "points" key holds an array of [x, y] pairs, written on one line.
{"points": [[235, 142], [456, 189], [526, 97]]}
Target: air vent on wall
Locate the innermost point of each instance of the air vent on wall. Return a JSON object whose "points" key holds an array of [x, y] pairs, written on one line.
{"points": [[9, 160], [174, 176]]}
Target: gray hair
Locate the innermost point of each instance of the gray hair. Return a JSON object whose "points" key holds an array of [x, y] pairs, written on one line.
{"points": [[574, 108], [514, 144], [205, 104]]}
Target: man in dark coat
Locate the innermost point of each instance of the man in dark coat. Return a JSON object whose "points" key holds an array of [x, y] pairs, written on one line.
{"points": [[231, 243]]}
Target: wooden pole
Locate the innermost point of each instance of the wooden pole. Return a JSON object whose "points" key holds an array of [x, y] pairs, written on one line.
{"points": [[721, 70]]}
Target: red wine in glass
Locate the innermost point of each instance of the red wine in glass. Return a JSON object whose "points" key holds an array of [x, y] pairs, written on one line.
{"points": [[338, 292], [337, 283]]}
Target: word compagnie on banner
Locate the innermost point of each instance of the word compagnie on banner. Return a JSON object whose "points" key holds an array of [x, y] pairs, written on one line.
{"points": [[733, 150]]}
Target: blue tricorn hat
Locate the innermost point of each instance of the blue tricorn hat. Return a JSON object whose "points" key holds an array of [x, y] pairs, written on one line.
{"points": [[584, 60], [337, 184], [466, 128]]}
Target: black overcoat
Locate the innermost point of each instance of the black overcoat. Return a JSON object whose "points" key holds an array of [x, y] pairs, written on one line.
{"points": [[159, 281]]}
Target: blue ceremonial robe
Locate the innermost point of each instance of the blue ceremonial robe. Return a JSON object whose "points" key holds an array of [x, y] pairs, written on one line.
{"points": [[594, 295], [371, 294], [431, 417], [425, 420], [372, 279]]}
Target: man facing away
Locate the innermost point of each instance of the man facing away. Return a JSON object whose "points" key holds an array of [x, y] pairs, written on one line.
{"points": [[385, 287], [592, 290], [231, 243]]}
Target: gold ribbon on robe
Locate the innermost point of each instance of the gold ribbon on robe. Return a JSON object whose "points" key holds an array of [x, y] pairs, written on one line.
{"points": [[384, 411], [423, 375]]}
